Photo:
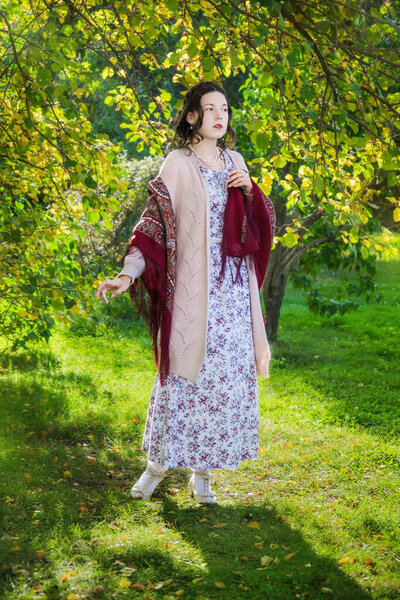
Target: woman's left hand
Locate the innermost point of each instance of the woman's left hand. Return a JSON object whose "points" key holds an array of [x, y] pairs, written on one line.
{"points": [[240, 178]]}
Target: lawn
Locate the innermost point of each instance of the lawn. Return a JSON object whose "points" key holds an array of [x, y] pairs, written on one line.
{"points": [[316, 516]]}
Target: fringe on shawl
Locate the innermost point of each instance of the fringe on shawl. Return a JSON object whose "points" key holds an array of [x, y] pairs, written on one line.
{"points": [[246, 232]]}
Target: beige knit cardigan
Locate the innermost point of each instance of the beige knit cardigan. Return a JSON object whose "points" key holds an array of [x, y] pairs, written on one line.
{"points": [[191, 205]]}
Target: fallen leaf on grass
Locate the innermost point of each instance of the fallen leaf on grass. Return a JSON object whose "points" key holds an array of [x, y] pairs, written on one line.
{"points": [[265, 560], [72, 597], [197, 579], [347, 559], [15, 548], [289, 556], [125, 583], [370, 564], [253, 525], [83, 508], [259, 544], [326, 590], [150, 586], [273, 546], [98, 589], [219, 584], [161, 584], [243, 587], [179, 592], [67, 575], [67, 473]]}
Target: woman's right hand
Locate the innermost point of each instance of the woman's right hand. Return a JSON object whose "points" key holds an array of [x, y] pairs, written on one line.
{"points": [[119, 285]]}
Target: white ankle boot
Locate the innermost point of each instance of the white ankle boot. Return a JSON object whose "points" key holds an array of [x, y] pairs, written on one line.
{"points": [[148, 481], [199, 486]]}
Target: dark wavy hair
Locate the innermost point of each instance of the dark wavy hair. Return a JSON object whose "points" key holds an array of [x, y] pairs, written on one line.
{"points": [[191, 103]]}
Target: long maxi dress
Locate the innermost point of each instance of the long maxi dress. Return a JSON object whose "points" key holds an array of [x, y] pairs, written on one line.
{"points": [[214, 423]]}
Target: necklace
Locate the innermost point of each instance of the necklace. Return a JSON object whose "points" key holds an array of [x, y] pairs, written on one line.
{"points": [[204, 159]]}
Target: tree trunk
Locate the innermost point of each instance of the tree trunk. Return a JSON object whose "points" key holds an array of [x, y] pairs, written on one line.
{"points": [[274, 290]]}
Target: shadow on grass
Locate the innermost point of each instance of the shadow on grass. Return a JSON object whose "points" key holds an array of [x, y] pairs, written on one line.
{"points": [[67, 499], [354, 375]]}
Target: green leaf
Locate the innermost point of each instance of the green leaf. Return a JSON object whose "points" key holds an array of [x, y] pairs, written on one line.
{"points": [[90, 182], [307, 92], [192, 50], [107, 72], [323, 26], [262, 141], [93, 216]]}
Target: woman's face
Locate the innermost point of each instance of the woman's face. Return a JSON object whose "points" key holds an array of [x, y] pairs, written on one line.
{"points": [[215, 115]]}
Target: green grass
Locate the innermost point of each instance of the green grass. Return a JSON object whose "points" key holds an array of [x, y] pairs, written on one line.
{"points": [[316, 516]]}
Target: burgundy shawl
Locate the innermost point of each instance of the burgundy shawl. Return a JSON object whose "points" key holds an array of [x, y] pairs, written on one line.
{"points": [[248, 229]]}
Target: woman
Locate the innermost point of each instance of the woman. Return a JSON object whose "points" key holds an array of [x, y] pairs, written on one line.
{"points": [[200, 250]]}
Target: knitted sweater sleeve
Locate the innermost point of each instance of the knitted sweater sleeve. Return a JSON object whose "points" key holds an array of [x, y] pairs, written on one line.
{"points": [[134, 264]]}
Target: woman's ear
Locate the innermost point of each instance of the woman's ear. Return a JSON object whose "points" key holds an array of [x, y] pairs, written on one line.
{"points": [[192, 118]]}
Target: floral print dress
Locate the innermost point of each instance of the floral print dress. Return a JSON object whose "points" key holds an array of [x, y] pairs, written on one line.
{"points": [[214, 423]]}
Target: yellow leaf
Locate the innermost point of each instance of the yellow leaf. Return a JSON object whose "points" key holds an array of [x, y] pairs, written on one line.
{"points": [[113, 60], [15, 548], [125, 583], [72, 597], [219, 584], [83, 508], [67, 473], [253, 525], [366, 243], [244, 557], [396, 214], [265, 560], [326, 590], [273, 546], [346, 559], [289, 556], [259, 544], [40, 553], [197, 579], [180, 592], [67, 575], [378, 247]]}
